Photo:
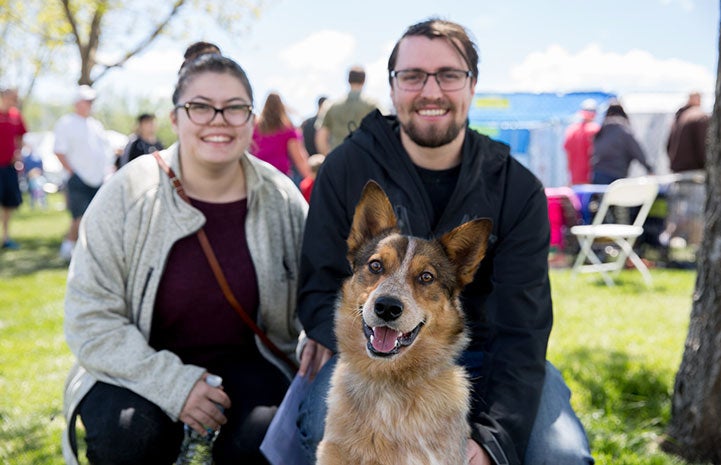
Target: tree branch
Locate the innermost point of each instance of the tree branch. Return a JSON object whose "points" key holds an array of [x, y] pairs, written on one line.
{"points": [[145, 43]]}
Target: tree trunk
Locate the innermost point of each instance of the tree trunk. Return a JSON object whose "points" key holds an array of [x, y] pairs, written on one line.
{"points": [[694, 432]]}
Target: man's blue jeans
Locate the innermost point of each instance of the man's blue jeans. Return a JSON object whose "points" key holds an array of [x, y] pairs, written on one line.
{"points": [[557, 436]]}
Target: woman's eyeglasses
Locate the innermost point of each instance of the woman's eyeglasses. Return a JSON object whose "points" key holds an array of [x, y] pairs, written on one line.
{"points": [[202, 113]]}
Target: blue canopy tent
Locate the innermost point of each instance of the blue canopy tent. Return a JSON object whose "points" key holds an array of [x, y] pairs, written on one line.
{"points": [[533, 125]]}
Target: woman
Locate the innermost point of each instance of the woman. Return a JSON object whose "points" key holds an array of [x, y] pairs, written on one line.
{"points": [[144, 314], [615, 147], [276, 141]]}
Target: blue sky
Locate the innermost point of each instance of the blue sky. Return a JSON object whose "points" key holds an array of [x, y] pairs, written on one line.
{"points": [[302, 49]]}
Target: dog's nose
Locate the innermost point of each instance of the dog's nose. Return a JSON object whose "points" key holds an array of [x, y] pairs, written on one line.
{"points": [[388, 308]]}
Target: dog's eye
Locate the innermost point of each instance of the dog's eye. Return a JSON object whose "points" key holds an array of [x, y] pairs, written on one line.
{"points": [[375, 266], [426, 277]]}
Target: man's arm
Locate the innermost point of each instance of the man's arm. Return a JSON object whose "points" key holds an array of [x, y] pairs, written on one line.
{"points": [[64, 161], [519, 310], [323, 265], [61, 145], [322, 140]]}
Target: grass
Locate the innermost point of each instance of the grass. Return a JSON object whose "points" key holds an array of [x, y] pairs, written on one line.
{"points": [[618, 348], [33, 356]]}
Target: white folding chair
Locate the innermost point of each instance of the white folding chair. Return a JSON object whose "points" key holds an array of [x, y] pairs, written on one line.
{"points": [[627, 192]]}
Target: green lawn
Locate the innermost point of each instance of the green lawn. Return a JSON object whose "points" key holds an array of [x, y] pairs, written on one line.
{"points": [[619, 349], [33, 356]]}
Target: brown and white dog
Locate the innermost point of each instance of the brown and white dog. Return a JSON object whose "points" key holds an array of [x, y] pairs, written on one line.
{"points": [[397, 395]]}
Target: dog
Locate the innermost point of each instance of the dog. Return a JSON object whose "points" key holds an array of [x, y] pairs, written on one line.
{"points": [[397, 394]]}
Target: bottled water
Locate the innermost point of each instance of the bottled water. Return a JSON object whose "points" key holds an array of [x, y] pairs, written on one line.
{"points": [[197, 449]]}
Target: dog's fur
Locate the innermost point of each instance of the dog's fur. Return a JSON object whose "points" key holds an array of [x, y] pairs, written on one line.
{"points": [[397, 395]]}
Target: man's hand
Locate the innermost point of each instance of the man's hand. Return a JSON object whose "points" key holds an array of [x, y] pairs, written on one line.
{"points": [[476, 455], [200, 411], [313, 357]]}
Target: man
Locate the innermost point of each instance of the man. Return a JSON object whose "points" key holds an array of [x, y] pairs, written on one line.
{"points": [[144, 141], [686, 144], [343, 117], [83, 149], [12, 128], [438, 173], [308, 128], [578, 143]]}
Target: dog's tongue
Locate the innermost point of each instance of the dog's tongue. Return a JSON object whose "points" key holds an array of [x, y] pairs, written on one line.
{"points": [[384, 338]]}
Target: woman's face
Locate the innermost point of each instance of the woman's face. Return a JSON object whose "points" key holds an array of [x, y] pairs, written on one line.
{"points": [[215, 143]]}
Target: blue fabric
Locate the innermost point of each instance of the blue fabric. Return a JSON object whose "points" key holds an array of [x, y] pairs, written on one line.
{"points": [[79, 196], [10, 196], [557, 436], [603, 178]]}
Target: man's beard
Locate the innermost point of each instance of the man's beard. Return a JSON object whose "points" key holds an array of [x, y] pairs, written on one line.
{"points": [[432, 137]]}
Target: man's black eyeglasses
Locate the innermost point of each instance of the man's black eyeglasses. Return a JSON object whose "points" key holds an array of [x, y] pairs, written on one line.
{"points": [[415, 79], [202, 113]]}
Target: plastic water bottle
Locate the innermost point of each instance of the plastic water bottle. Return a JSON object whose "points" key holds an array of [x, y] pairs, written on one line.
{"points": [[197, 449]]}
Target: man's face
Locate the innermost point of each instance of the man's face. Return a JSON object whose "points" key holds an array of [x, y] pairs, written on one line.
{"points": [[147, 128], [431, 117], [84, 107], [10, 98]]}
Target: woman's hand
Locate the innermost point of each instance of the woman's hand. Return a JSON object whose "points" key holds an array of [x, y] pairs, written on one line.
{"points": [[200, 410], [313, 357], [476, 455]]}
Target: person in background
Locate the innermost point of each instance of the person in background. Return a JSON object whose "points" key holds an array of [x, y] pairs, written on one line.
{"points": [[143, 141], [308, 129], [578, 143], [615, 147], [306, 185], [276, 140], [82, 147], [686, 145], [12, 128], [144, 314], [343, 117], [439, 173]]}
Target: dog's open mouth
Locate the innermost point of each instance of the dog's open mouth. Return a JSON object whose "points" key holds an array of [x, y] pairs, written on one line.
{"points": [[384, 341]]}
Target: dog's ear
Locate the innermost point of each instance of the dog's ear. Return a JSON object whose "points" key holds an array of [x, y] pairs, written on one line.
{"points": [[373, 216], [466, 247]]}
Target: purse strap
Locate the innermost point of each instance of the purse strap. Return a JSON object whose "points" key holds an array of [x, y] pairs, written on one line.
{"points": [[218, 272]]}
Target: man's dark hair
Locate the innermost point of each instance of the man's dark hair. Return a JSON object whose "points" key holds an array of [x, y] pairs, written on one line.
{"points": [[435, 28], [356, 75], [145, 117]]}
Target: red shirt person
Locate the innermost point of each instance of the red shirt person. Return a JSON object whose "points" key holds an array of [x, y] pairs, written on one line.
{"points": [[12, 128], [579, 143]]}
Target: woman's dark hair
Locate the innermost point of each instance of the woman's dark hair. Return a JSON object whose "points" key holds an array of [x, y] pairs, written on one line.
{"points": [[196, 49], [435, 28], [616, 109], [210, 63]]}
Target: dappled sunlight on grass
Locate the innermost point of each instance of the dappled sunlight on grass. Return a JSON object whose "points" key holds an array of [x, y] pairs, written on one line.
{"points": [[619, 349], [34, 359]]}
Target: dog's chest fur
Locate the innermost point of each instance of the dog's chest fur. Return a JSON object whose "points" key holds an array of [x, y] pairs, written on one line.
{"points": [[382, 423]]}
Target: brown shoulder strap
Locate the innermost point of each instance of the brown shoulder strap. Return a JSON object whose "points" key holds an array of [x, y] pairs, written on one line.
{"points": [[218, 272]]}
